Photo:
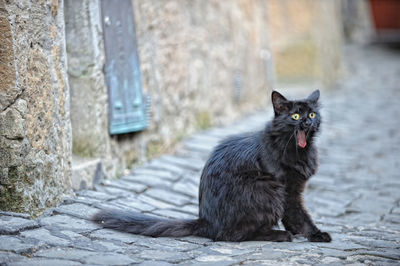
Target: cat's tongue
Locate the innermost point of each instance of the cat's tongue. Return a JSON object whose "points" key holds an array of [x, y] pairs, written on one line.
{"points": [[301, 139]]}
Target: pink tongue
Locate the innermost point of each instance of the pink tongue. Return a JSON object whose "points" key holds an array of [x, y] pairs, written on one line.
{"points": [[301, 138]]}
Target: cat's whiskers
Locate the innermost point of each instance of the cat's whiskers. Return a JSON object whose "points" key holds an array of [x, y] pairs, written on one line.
{"points": [[297, 152], [284, 151], [308, 132]]}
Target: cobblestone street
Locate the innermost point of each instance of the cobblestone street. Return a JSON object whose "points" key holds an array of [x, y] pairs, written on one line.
{"points": [[355, 195]]}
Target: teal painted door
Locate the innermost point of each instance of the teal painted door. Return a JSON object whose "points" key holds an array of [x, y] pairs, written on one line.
{"points": [[127, 108]]}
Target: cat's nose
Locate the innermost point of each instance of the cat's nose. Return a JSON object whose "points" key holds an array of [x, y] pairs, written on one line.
{"points": [[308, 122]]}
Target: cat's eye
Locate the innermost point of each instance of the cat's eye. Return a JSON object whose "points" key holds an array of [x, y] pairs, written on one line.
{"points": [[311, 115], [296, 116]]}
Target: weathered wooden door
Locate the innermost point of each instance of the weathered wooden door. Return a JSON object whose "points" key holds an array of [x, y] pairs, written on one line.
{"points": [[127, 109]]}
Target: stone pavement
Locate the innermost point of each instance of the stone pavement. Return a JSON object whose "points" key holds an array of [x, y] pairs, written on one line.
{"points": [[355, 195]]}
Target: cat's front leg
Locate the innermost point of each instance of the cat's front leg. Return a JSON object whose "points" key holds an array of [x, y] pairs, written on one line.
{"points": [[297, 221]]}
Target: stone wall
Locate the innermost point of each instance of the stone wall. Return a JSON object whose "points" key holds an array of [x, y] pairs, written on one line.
{"points": [[203, 63], [357, 21], [35, 139], [91, 142], [306, 40]]}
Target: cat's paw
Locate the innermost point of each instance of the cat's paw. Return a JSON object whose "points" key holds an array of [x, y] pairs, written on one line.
{"points": [[320, 237], [285, 236], [288, 237]]}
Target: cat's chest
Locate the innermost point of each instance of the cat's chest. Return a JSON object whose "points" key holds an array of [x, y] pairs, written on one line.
{"points": [[303, 168]]}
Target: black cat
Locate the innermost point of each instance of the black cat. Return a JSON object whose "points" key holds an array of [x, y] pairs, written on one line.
{"points": [[248, 184]]}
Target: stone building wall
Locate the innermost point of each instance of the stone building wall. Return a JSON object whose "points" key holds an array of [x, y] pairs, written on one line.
{"points": [[203, 63], [35, 139], [357, 21], [306, 40]]}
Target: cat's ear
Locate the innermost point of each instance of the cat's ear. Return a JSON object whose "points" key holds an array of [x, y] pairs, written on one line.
{"points": [[314, 96], [280, 103]]}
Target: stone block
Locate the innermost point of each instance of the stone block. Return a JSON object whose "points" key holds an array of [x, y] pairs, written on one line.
{"points": [[86, 173], [106, 234], [42, 235], [108, 259], [96, 195], [12, 225], [122, 184], [45, 262], [150, 181], [8, 257], [12, 125], [134, 204], [78, 210], [174, 198], [14, 244], [34, 107], [65, 222]]}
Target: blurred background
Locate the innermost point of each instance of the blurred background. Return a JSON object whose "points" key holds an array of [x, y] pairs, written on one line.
{"points": [[91, 88]]}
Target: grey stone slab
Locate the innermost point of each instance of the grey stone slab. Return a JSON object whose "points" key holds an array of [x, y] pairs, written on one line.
{"points": [[186, 163], [44, 262], [187, 187], [65, 222], [160, 165], [161, 255], [154, 202], [203, 138], [13, 225], [134, 204], [122, 184], [195, 240], [391, 254], [187, 151], [111, 259], [264, 255], [167, 244], [15, 214], [81, 199], [96, 195], [230, 251], [67, 234], [64, 253], [216, 259], [98, 245], [150, 181], [117, 192], [198, 147], [42, 235], [78, 210], [6, 257], [106, 246], [156, 172], [14, 244], [220, 132], [191, 209], [106, 234], [168, 196], [392, 218], [155, 263]]}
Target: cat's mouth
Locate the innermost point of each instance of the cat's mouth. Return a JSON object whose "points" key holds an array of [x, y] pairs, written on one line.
{"points": [[301, 139]]}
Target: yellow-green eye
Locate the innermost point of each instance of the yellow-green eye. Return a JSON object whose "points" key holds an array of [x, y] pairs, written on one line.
{"points": [[311, 115], [296, 116]]}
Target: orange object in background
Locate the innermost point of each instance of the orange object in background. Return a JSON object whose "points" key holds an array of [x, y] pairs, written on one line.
{"points": [[386, 18]]}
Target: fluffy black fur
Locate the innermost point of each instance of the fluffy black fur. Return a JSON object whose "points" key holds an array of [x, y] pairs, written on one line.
{"points": [[248, 184]]}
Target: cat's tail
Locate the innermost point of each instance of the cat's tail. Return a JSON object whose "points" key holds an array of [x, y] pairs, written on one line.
{"points": [[141, 224]]}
